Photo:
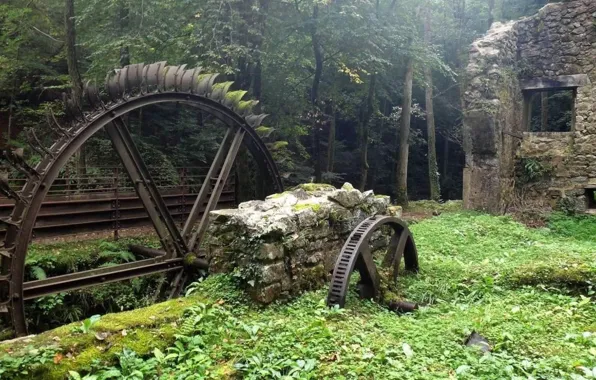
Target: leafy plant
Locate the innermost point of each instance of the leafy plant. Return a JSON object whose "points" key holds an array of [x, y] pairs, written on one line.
{"points": [[87, 324]]}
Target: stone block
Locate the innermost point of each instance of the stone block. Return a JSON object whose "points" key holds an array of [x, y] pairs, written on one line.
{"points": [[272, 273], [271, 252]]}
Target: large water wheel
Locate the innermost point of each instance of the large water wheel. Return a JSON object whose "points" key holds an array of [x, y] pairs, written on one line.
{"points": [[128, 90]]}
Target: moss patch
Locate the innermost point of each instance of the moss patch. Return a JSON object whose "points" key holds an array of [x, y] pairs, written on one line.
{"points": [[307, 206], [310, 187]]}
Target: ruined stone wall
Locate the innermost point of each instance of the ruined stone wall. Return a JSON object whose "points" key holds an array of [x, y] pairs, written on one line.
{"points": [[559, 40], [492, 116], [289, 242]]}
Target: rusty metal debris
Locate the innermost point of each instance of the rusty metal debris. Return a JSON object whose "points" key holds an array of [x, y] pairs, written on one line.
{"points": [[356, 254], [128, 89]]}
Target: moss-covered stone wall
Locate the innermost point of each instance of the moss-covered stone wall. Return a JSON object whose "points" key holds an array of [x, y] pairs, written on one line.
{"points": [[289, 242]]}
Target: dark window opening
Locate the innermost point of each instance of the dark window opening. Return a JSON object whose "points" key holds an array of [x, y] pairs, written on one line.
{"points": [[551, 111], [591, 198]]}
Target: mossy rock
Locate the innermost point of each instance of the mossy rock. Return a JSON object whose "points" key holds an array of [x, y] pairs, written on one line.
{"points": [[316, 207], [141, 330], [312, 187], [573, 276]]}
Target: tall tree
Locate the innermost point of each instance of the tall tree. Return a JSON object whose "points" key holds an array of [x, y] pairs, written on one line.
{"points": [[332, 115], [74, 74], [433, 170], [314, 94], [404, 135], [365, 114]]}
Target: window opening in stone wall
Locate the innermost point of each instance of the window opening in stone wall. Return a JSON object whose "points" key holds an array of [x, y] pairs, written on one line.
{"points": [[551, 111], [591, 199]]}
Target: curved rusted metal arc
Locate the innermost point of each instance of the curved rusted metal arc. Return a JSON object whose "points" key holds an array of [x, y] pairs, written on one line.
{"points": [[356, 254], [24, 213]]}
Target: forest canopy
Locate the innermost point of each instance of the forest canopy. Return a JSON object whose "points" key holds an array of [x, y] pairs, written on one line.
{"points": [[365, 91]]}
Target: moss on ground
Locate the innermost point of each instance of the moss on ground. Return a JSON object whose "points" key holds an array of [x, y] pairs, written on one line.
{"points": [[141, 330], [475, 276], [420, 206]]}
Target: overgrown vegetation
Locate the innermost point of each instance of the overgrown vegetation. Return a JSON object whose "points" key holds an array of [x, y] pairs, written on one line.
{"points": [[529, 291], [53, 259]]}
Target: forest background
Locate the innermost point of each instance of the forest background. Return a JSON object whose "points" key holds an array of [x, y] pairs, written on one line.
{"points": [[335, 76]]}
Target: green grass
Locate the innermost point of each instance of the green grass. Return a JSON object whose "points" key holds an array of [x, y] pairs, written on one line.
{"points": [[528, 291]]}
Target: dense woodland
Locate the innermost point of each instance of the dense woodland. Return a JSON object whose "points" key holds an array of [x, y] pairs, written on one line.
{"points": [[335, 76]]}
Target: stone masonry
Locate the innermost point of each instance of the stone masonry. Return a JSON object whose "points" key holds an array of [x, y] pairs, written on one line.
{"points": [[558, 42], [289, 242]]}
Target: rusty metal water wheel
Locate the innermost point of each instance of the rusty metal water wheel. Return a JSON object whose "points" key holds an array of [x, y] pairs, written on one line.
{"points": [[357, 254], [128, 89]]}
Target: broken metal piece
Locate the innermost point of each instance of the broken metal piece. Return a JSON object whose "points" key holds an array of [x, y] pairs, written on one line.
{"points": [[356, 254], [478, 341], [35, 144], [16, 160], [7, 190], [402, 307], [55, 125]]}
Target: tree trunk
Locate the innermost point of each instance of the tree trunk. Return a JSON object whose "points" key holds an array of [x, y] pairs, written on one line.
{"points": [[331, 137], [445, 158], [491, 8], [365, 116], [257, 85], [404, 136], [75, 75], [544, 112], [314, 95], [124, 14], [433, 170]]}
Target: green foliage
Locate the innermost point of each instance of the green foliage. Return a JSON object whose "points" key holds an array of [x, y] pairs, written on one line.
{"points": [[87, 324], [527, 290], [54, 259], [530, 170], [25, 366]]}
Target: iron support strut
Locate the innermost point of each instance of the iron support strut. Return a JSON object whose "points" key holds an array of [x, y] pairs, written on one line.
{"points": [[164, 224], [217, 189]]}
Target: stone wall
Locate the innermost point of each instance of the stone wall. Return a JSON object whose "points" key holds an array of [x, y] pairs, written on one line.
{"points": [[492, 116], [289, 242], [559, 40]]}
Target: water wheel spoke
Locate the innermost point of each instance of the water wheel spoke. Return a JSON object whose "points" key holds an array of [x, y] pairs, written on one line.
{"points": [[206, 186], [146, 189], [391, 251], [369, 279], [217, 188], [404, 236]]}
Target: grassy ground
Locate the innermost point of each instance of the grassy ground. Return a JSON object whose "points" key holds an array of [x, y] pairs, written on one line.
{"points": [[529, 292]]}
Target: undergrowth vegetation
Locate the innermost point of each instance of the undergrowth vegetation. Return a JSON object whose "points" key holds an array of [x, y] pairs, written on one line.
{"points": [[54, 259], [528, 291]]}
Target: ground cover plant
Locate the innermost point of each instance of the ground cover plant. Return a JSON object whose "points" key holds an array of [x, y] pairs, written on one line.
{"points": [[528, 291], [48, 259]]}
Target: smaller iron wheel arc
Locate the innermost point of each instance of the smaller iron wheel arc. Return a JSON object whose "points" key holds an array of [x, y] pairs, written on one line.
{"points": [[356, 254]]}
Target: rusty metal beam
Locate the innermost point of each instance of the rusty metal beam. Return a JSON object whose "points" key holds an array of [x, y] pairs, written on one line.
{"points": [[217, 189], [206, 186], [164, 224], [84, 279]]}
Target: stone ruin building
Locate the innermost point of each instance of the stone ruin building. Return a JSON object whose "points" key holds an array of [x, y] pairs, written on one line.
{"points": [[530, 112]]}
